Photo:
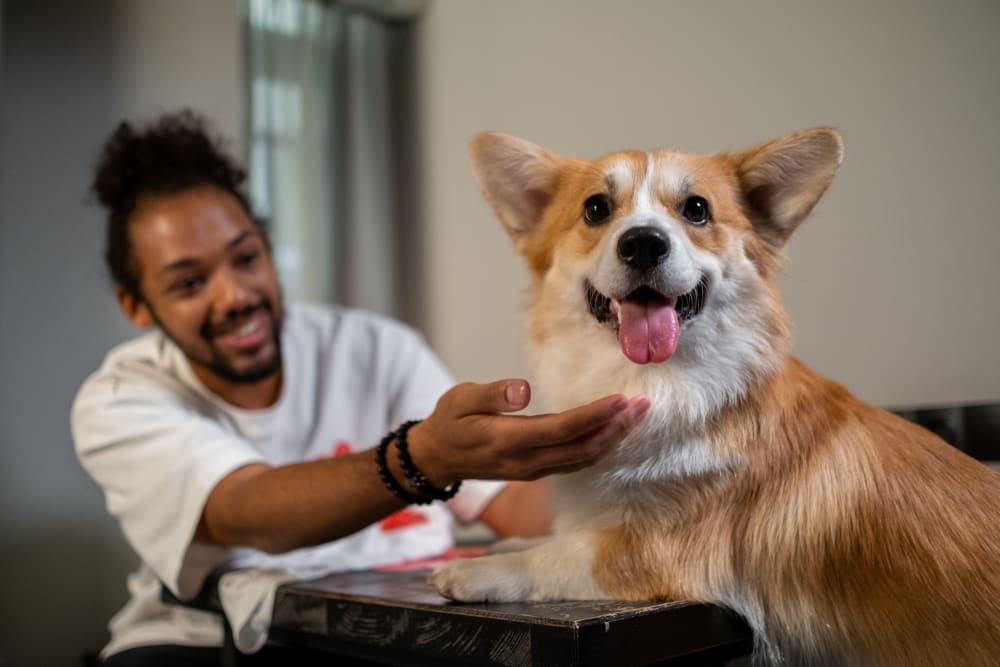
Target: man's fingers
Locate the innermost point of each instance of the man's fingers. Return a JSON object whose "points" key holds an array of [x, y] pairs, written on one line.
{"points": [[561, 427], [469, 430], [501, 396], [588, 449]]}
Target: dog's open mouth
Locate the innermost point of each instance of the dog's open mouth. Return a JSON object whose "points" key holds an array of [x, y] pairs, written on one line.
{"points": [[647, 322]]}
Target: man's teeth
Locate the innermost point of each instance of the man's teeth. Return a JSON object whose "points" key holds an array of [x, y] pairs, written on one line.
{"points": [[248, 328]]}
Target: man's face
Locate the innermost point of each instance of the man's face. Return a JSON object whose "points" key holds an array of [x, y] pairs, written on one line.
{"points": [[207, 279]]}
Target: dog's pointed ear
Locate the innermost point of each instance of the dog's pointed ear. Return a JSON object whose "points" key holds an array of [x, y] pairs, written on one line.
{"points": [[783, 179], [517, 179]]}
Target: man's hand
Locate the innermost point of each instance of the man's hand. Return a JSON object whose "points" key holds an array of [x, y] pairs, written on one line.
{"points": [[469, 436]]}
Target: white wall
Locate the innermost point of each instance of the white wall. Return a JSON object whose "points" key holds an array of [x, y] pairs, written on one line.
{"points": [[891, 284], [69, 72]]}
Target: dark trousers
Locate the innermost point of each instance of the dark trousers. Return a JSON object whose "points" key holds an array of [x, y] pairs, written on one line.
{"points": [[200, 656]]}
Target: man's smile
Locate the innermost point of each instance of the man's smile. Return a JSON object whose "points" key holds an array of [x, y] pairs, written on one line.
{"points": [[246, 332]]}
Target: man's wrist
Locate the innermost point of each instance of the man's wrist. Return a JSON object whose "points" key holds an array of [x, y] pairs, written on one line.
{"points": [[390, 471], [400, 474], [420, 449]]}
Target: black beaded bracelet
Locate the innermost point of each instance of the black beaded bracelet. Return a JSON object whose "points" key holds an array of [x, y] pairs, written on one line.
{"points": [[414, 477], [386, 476]]}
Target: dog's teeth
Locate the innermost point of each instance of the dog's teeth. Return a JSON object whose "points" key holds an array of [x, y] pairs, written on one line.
{"points": [[616, 310]]}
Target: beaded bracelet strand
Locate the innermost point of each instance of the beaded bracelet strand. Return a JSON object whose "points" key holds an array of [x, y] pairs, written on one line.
{"points": [[386, 476], [414, 477]]}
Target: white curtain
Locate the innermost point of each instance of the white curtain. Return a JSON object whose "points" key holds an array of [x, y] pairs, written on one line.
{"points": [[328, 87]]}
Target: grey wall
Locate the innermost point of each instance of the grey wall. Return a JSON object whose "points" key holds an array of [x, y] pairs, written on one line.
{"points": [[68, 72]]}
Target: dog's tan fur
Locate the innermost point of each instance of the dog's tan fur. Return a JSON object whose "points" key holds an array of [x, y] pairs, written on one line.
{"points": [[863, 537], [845, 535]]}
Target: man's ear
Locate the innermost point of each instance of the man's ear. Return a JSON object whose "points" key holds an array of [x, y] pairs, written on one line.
{"points": [[517, 178], [783, 179], [134, 308]]}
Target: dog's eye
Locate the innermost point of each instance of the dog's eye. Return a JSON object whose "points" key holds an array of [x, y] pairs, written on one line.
{"points": [[695, 210], [596, 209]]}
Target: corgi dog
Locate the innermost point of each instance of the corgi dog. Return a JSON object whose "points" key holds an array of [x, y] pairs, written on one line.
{"points": [[843, 534]]}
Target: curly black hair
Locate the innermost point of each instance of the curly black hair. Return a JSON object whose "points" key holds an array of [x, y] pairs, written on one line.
{"points": [[172, 154]]}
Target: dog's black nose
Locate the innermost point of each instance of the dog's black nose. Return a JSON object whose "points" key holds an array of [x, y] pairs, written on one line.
{"points": [[643, 247]]}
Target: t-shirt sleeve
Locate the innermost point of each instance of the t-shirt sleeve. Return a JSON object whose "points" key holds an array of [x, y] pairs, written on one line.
{"points": [[417, 377], [156, 460], [421, 380]]}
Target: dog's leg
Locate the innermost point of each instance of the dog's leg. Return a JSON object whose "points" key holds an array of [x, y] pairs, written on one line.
{"points": [[559, 569]]}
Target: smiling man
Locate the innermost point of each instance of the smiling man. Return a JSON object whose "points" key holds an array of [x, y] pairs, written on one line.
{"points": [[241, 431], [193, 235]]}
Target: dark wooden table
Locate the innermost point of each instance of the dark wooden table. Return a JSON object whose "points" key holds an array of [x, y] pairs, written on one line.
{"points": [[398, 618]]}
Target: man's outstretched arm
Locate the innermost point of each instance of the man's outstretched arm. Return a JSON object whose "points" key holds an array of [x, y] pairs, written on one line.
{"points": [[470, 435]]}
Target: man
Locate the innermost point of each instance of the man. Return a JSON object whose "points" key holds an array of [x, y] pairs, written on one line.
{"points": [[240, 428]]}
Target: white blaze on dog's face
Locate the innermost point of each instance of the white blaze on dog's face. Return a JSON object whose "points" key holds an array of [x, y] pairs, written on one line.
{"points": [[646, 277], [666, 258]]}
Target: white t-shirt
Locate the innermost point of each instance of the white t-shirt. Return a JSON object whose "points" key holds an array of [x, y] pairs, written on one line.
{"points": [[157, 441]]}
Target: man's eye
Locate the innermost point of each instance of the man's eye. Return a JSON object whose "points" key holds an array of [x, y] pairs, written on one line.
{"points": [[188, 285], [247, 258]]}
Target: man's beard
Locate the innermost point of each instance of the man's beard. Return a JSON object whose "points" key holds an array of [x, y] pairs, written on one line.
{"points": [[217, 364]]}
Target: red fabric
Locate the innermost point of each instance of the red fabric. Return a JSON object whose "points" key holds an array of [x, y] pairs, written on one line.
{"points": [[434, 561], [402, 519]]}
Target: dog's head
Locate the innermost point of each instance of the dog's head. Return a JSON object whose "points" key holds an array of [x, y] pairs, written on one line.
{"points": [[666, 259]]}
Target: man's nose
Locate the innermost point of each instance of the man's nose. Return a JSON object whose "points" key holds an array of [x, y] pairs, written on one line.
{"points": [[232, 292]]}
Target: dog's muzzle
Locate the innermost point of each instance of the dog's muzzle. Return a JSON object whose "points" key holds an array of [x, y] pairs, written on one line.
{"points": [[688, 305]]}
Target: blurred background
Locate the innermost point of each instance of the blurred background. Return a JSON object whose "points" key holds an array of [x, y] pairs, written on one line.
{"points": [[354, 117]]}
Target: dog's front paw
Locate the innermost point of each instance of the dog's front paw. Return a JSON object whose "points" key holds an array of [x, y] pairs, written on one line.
{"points": [[486, 579]]}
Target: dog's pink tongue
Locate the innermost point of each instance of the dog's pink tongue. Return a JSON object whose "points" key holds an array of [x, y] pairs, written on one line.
{"points": [[648, 331]]}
